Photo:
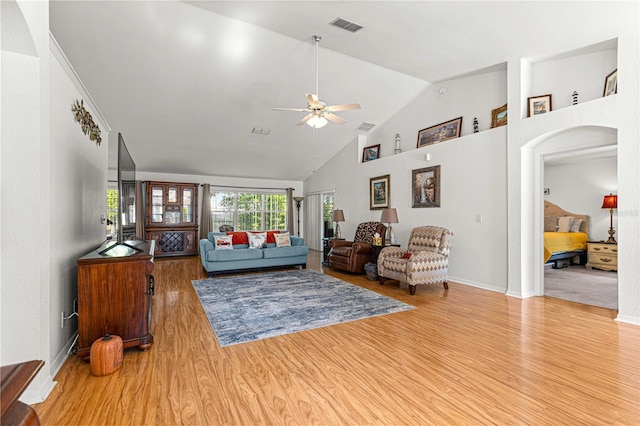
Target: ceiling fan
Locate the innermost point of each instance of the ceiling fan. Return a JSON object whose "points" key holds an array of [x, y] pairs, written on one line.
{"points": [[318, 111]]}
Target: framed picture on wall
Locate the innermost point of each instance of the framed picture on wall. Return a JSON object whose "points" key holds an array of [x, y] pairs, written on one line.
{"points": [[611, 84], [499, 116], [379, 192], [370, 153], [425, 185], [440, 132], [539, 105]]}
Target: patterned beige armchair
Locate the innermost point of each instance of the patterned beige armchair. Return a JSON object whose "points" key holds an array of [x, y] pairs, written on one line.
{"points": [[426, 261]]}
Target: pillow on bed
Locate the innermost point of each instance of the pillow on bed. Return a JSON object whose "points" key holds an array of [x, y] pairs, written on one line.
{"points": [[564, 223], [575, 225], [550, 223]]}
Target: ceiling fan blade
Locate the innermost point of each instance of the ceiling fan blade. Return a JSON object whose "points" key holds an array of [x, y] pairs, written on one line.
{"points": [[305, 119], [334, 118], [290, 109], [343, 107], [313, 100]]}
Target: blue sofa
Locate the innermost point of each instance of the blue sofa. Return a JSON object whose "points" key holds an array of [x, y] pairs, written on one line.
{"points": [[243, 258]]}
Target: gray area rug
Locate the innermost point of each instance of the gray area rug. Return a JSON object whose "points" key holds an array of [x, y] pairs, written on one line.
{"points": [[250, 307], [579, 284]]}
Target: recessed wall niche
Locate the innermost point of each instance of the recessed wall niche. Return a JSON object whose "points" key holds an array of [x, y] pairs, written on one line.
{"points": [[582, 70]]}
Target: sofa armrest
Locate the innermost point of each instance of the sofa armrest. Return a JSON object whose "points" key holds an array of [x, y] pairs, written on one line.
{"points": [[362, 248], [296, 241], [390, 252], [205, 246], [340, 243]]}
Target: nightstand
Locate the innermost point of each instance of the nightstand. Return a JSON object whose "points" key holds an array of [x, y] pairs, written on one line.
{"points": [[602, 255]]}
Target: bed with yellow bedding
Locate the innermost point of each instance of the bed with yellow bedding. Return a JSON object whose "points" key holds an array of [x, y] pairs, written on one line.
{"points": [[565, 236]]}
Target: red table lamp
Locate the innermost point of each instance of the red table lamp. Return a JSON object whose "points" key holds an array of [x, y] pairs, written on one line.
{"points": [[610, 202]]}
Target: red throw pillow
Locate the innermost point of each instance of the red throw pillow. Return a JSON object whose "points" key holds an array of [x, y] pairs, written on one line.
{"points": [[270, 237], [406, 255], [239, 237]]}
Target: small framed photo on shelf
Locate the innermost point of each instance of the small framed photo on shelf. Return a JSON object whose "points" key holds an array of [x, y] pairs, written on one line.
{"points": [[499, 116], [611, 84], [426, 187], [370, 153], [379, 192], [440, 132], [539, 105]]}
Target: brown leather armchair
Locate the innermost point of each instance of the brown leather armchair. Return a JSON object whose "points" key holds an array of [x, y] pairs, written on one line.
{"points": [[351, 256]]}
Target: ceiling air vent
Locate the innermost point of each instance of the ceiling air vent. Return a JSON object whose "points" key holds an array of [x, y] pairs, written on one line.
{"points": [[365, 127], [259, 131], [346, 25]]}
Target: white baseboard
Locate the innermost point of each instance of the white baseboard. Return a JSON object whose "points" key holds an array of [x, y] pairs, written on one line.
{"points": [[627, 319], [40, 389], [477, 284]]}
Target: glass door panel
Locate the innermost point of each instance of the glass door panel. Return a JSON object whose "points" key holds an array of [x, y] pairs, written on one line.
{"points": [[157, 198], [187, 205], [172, 195]]}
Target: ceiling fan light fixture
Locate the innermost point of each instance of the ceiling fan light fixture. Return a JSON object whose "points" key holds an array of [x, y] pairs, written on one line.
{"points": [[317, 121]]}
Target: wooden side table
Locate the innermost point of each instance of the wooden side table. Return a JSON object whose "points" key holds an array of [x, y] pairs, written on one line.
{"points": [[602, 255]]}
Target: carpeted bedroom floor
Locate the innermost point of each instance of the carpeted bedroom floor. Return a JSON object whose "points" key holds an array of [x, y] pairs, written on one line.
{"points": [[579, 284]]}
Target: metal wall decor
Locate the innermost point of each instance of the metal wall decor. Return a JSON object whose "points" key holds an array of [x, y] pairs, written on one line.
{"points": [[86, 121]]}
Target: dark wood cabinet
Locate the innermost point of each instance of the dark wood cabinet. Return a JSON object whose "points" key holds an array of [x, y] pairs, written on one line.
{"points": [[172, 218], [115, 286]]}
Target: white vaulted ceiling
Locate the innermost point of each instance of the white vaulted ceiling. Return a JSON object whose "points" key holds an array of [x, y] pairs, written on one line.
{"points": [[186, 82]]}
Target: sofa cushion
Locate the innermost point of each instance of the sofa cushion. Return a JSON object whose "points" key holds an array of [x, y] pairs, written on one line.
{"points": [[222, 242], [283, 240], [231, 255], [257, 239], [240, 237], [271, 253]]}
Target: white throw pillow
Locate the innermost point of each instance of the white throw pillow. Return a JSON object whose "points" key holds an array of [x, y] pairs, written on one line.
{"points": [[257, 239], [575, 225], [282, 240], [223, 242], [564, 223]]}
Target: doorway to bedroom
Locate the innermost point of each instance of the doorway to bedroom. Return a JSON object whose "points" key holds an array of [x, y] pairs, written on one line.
{"points": [[576, 181]]}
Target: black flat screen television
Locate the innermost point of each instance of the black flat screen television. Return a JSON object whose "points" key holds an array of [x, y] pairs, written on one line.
{"points": [[126, 193]]}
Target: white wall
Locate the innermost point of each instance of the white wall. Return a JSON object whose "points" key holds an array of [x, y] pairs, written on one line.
{"points": [[78, 184], [53, 193], [580, 187], [24, 239], [473, 170]]}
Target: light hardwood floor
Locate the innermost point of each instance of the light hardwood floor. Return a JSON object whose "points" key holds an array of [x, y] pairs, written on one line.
{"points": [[465, 356]]}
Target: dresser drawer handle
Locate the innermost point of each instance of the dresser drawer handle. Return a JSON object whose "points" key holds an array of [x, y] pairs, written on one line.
{"points": [[605, 260], [597, 249]]}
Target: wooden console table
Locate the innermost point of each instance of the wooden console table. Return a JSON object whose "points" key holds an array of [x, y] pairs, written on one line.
{"points": [[15, 379], [114, 295]]}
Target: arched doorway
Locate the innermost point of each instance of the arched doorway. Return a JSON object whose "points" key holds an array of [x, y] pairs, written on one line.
{"points": [[578, 142]]}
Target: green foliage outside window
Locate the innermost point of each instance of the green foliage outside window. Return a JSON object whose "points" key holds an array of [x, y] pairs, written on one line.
{"points": [[249, 211]]}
